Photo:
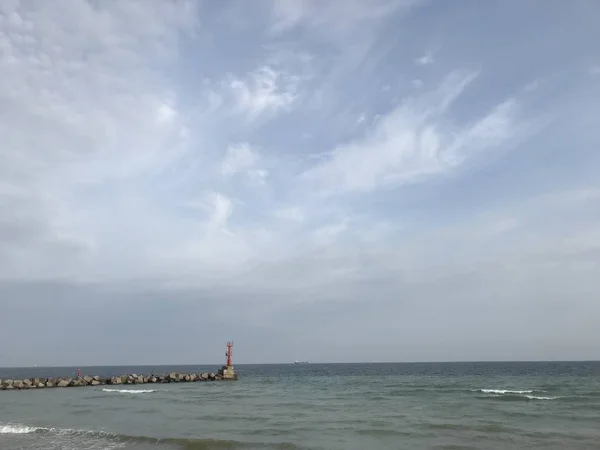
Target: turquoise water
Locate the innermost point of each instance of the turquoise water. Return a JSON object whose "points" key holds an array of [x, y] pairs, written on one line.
{"points": [[307, 406]]}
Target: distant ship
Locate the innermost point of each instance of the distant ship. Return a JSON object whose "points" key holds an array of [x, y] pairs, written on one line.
{"points": [[300, 362]]}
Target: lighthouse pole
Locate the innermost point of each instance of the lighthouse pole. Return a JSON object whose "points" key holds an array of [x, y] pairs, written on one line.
{"points": [[229, 353], [227, 372]]}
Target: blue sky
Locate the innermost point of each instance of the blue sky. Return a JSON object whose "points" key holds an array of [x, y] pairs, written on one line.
{"points": [[342, 180]]}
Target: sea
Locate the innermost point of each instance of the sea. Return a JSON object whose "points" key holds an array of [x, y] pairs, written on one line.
{"points": [[486, 405]]}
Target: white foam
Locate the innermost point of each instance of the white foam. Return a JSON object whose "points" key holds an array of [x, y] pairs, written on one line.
{"points": [[16, 429], [131, 391], [505, 391], [534, 397]]}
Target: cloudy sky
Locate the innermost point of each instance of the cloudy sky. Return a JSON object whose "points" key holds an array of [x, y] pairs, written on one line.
{"points": [[339, 180]]}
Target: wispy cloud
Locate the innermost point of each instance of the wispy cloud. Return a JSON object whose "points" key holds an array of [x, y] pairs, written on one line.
{"points": [[413, 141], [335, 16]]}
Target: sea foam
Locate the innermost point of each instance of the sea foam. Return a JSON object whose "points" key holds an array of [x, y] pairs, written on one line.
{"points": [[16, 429], [505, 391], [130, 391]]}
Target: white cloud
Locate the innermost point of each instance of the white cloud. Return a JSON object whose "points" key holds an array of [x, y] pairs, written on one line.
{"points": [[239, 158], [86, 113], [166, 114], [217, 208], [258, 176], [222, 209], [91, 95], [244, 160], [425, 60], [413, 141], [265, 90]]}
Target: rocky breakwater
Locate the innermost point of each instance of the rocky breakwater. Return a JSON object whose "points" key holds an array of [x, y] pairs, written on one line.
{"points": [[45, 383]]}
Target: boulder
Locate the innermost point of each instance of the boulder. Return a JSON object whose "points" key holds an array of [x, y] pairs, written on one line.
{"points": [[64, 383], [96, 378], [27, 382], [152, 380], [204, 376], [18, 384], [7, 383], [173, 377], [94, 382], [49, 384], [193, 377], [8, 387], [211, 376], [186, 378], [40, 385], [87, 379]]}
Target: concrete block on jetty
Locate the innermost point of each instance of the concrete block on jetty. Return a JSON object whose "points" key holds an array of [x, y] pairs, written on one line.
{"points": [[41, 383]]}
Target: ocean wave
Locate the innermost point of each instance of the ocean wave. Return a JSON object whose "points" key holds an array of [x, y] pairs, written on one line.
{"points": [[516, 397], [535, 397], [183, 443], [131, 391], [27, 429], [514, 394], [16, 429], [505, 391]]}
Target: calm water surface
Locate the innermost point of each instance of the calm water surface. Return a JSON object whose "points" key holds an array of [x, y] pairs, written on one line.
{"points": [[315, 406]]}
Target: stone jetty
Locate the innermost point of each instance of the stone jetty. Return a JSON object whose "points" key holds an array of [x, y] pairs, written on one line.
{"points": [[46, 383]]}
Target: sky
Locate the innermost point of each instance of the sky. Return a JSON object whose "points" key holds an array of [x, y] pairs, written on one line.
{"points": [[336, 181]]}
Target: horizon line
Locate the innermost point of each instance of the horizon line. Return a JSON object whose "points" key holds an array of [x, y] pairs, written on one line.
{"points": [[313, 363]]}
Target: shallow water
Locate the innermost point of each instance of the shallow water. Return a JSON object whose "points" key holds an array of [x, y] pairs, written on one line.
{"points": [[333, 406]]}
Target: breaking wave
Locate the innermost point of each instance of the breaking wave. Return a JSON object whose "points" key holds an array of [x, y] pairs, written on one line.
{"points": [[515, 397], [16, 429], [119, 439], [535, 397], [505, 391], [513, 394], [130, 391]]}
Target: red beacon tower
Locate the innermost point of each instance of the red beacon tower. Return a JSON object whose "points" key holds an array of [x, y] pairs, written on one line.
{"points": [[228, 354], [227, 372]]}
